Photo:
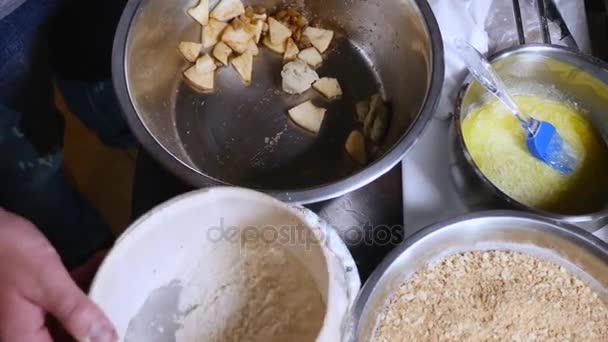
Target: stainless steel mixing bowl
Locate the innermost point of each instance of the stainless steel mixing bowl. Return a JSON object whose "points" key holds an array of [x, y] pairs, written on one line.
{"points": [[576, 250], [241, 135], [546, 71]]}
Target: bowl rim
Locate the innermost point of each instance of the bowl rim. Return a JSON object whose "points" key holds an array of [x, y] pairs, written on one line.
{"points": [[332, 243], [580, 236], [305, 195]]}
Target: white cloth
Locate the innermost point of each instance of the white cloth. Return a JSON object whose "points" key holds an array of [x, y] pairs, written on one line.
{"points": [[575, 17], [463, 19]]}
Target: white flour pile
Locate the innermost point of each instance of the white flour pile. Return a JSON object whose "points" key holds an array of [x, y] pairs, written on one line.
{"points": [[260, 293]]}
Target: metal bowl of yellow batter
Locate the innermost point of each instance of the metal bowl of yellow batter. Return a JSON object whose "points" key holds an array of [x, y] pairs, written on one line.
{"points": [[560, 85]]}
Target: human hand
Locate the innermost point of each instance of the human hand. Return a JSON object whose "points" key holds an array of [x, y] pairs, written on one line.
{"points": [[34, 283]]}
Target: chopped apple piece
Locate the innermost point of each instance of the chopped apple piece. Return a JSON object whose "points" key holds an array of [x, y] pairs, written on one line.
{"points": [[362, 108], [260, 16], [212, 32], [380, 125], [308, 116], [200, 12], [205, 64], [253, 47], [190, 50], [355, 146], [200, 81], [291, 51], [375, 101], [277, 31], [297, 77], [255, 29], [227, 9], [375, 106], [244, 66], [311, 56], [279, 48], [221, 52], [328, 87], [319, 38], [245, 18], [237, 39]]}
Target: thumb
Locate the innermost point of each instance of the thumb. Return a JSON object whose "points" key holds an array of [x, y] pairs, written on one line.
{"points": [[82, 318]]}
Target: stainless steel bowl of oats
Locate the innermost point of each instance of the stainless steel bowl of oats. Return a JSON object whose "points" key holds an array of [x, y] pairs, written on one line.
{"points": [[499, 275]]}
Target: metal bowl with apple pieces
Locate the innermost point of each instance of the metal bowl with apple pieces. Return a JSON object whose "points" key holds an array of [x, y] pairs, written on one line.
{"points": [[305, 100]]}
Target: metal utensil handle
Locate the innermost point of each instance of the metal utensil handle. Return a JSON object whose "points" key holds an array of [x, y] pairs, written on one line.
{"points": [[521, 34], [481, 69], [541, 5]]}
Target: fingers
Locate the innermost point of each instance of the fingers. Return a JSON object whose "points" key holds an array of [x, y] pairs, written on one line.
{"points": [[41, 335], [33, 270], [21, 320], [73, 309]]}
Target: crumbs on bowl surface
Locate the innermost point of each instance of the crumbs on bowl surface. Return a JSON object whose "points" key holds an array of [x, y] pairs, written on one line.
{"points": [[493, 295]]}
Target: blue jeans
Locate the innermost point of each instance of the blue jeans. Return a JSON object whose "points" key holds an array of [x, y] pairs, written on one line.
{"points": [[32, 182]]}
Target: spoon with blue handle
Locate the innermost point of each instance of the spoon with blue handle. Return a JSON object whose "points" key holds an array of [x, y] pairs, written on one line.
{"points": [[542, 139]]}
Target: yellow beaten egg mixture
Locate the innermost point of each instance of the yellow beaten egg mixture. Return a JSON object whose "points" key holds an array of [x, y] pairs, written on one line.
{"points": [[496, 142]]}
